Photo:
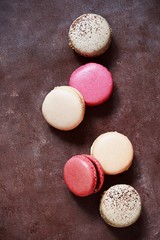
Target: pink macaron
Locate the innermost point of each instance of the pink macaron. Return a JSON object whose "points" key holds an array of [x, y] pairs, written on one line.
{"points": [[83, 175], [94, 82]]}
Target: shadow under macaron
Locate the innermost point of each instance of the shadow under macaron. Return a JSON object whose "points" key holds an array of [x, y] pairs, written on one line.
{"points": [[135, 231], [79, 135], [89, 204], [127, 177], [107, 59], [76, 136]]}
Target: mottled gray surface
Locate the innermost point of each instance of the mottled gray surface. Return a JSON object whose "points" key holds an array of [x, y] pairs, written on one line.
{"points": [[34, 57]]}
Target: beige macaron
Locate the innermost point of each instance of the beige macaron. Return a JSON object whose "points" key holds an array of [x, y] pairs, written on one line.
{"points": [[64, 108], [90, 35], [120, 206], [114, 151]]}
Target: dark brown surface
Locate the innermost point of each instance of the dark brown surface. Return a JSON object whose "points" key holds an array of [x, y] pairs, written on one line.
{"points": [[34, 57]]}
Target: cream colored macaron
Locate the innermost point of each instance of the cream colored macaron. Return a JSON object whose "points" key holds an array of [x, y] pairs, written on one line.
{"points": [[114, 151], [64, 108], [90, 35], [120, 205]]}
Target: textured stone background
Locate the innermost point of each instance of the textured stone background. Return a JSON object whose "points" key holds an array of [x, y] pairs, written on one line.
{"points": [[34, 57]]}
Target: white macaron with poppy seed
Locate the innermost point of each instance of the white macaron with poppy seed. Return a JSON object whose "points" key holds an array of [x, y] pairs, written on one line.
{"points": [[90, 35], [120, 206]]}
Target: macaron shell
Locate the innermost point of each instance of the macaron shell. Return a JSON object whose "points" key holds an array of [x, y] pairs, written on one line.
{"points": [[63, 108], [114, 151], [94, 82], [99, 171], [75, 91], [120, 206], [90, 35], [80, 175]]}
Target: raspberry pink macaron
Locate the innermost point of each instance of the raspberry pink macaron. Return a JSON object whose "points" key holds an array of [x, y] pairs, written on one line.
{"points": [[83, 175], [94, 82]]}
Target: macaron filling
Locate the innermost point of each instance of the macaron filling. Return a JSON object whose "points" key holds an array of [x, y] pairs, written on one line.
{"points": [[99, 173], [98, 183]]}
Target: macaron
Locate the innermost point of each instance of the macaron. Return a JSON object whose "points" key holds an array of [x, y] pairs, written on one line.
{"points": [[63, 108], [90, 35], [114, 151], [120, 206], [94, 82], [83, 175]]}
